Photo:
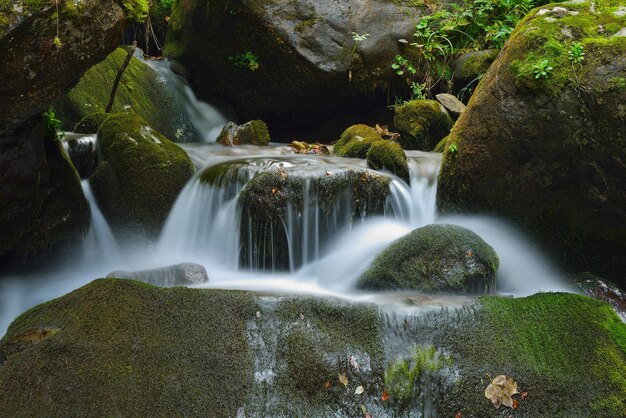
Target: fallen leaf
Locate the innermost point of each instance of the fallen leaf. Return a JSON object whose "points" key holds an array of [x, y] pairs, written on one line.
{"points": [[353, 363], [343, 378], [368, 415], [524, 395], [273, 190], [359, 390], [301, 317], [514, 403], [327, 385], [258, 314], [385, 396], [500, 390], [458, 415]]}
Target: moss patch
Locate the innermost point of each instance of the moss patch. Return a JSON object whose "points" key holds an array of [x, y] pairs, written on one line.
{"points": [[139, 174], [356, 141], [388, 155], [127, 348]]}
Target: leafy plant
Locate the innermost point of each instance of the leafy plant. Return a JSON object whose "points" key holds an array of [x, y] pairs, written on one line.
{"points": [[576, 54], [453, 148], [357, 38], [542, 70], [136, 10], [52, 125], [402, 66], [246, 60]]}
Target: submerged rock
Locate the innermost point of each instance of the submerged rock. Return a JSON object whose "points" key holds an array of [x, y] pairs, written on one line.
{"points": [[435, 258], [124, 347], [549, 152], [183, 274], [421, 124], [141, 90], [34, 70], [254, 133], [139, 175]]}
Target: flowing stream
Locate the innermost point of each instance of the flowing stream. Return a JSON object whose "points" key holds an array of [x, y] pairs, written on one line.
{"points": [[328, 251]]}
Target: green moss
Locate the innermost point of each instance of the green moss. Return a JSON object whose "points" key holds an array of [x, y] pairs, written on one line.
{"points": [[356, 141], [140, 91], [421, 124], [224, 174], [388, 155], [90, 124], [140, 173], [435, 258], [121, 347], [441, 145], [475, 64]]}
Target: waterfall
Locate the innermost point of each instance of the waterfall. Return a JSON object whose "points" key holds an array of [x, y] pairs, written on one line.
{"points": [[100, 243], [207, 120]]}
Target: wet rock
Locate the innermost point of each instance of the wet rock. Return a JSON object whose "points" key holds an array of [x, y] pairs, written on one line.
{"points": [[421, 124], [388, 155], [433, 259], [356, 141], [82, 152], [523, 139], [604, 290], [251, 133], [139, 175], [469, 68], [183, 274], [453, 105], [34, 70]]}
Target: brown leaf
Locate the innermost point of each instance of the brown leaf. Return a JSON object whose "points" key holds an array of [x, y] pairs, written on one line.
{"points": [[327, 385], [385, 396], [524, 395], [500, 390], [458, 415], [514, 403], [343, 378]]}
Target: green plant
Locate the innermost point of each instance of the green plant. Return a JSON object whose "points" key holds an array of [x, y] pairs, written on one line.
{"points": [[403, 67], [136, 10], [542, 70], [357, 38], [418, 91], [453, 148], [246, 60], [52, 125], [57, 41], [576, 53]]}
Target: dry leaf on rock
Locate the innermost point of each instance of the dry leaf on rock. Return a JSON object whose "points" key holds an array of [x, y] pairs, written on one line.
{"points": [[500, 391], [343, 378], [359, 390]]}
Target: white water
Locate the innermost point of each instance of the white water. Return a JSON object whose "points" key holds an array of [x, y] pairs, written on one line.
{"points": [[207, 120]]}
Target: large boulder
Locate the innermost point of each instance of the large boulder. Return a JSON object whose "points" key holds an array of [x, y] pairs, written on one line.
{"points": [[548, 151], [35, 70], [284, 61], [42, 207], [434, 259], [141, 90], [421, 124], [139, 174], [250, 133], [119, 347], [283, 209]]}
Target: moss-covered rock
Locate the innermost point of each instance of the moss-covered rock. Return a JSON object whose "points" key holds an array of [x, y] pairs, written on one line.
{"points": [[524, 138], [421, 124], [356, 141], [253, 133], [139, 174], [567, 351], [141, 90], [91, 123], [275, 199], [42, 207], [35, 71], [388, 155], [435, 258], [470, 67], [119, 347]]}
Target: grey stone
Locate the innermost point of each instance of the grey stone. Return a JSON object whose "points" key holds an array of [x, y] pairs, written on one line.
{"points": [[183, 274]]}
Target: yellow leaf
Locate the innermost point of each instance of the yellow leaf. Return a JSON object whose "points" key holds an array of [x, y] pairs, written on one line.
{"points": [[343, 378], [359, 390], [500, 391]]}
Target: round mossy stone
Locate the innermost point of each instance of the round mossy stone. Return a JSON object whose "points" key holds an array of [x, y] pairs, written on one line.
{"points": [[421, 124], [435, 258], [356, 141], [388, 155]]}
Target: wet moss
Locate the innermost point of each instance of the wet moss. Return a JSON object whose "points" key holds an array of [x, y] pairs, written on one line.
{"points": [[356, 141], [90, 124], [435, 258], [388, 155], [121, 347], [139, 174], [421, 124], [140, 91], [566, 350]]}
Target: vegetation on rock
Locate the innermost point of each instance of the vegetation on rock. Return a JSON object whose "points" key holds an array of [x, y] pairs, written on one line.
{"points": [[422, 124], [388, 155]]}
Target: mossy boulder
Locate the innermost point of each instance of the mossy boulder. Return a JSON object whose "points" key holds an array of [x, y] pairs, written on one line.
{"points": [[34, 70], [139, 174], [42, 207], [470, 67], [120, 347], [421, 124], [388, 155], [141, 91], [251, 133], [523, 139], [434, 259], [91, 123], [356, 141], [277, 201], [286, 62]]}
